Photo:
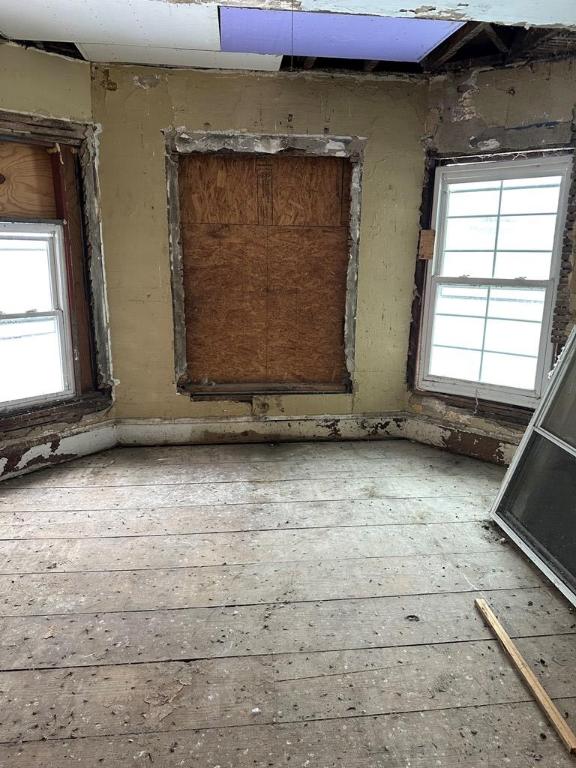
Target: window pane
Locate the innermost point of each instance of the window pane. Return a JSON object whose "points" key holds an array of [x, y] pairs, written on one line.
{"points": [[530, 266], [30, 359], [530, 181], [24, 276], [535, 200], [509, 370], [472, 203], [540, 503], [514, 336], [498, 230], [461, 300], [458, 331], [517, 303], [561, 417], [466, 234], [474, 185], [532, 233], [468, 264], [455, 363]]}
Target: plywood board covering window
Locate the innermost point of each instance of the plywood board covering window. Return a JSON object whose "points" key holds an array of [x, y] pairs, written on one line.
{"points": [[265, 257]]}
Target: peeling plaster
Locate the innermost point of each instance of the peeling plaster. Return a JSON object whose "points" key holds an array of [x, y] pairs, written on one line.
{"points": [[557, 13], [147, 81], [21, 454]]}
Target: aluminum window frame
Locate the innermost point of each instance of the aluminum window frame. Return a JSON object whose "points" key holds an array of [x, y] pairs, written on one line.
{"points": [[556, 165], [53, 234], [536, 426]]}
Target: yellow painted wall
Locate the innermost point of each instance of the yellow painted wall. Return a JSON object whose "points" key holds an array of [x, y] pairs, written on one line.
{"points": [[514, 108], [134, 105], [38, 83], [42, 84]]}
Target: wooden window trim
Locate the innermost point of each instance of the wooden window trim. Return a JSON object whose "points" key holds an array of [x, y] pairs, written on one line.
{"points": [[92, 371], [506, 413], [181, 142], [67, 411]]}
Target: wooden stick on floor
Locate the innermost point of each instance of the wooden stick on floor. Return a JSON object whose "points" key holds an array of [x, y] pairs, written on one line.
{"points": [[550, 709]]}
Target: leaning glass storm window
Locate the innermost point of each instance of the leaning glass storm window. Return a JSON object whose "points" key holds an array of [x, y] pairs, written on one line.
{"points": [[492, 283], [35, 347]]}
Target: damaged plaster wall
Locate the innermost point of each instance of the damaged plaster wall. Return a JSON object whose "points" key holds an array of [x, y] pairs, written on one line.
{"points": [[41, 84], [135, 105], [558, 13], [512, 109]]}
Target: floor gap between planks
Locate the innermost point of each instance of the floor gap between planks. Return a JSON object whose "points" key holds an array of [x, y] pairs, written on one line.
{"points": [[271, 605]]}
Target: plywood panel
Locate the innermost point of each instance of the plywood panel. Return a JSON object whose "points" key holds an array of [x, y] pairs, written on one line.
{"points": [[218, 189], [27, 187], [225, 289], [307, 191], [307, 291], [265, 256]]}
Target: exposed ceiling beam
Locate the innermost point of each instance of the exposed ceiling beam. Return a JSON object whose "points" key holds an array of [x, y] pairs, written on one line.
{"points": [[495, 38], [526, 39], [453, 44]]}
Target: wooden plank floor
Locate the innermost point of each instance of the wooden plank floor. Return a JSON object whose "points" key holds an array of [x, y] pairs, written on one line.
{"points": [[296, 605]]}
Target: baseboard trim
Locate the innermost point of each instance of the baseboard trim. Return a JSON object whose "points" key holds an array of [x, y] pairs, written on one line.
{"points": [[22, 455], [249, 430], [25, 455]]}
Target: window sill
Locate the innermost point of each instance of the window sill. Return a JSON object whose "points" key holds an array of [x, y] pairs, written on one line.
{"points": [[505, 413], [247, 391], [68, 410]]}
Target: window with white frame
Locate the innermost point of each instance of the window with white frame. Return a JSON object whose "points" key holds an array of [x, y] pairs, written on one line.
{"points": [[35, 346], [491, 286]]}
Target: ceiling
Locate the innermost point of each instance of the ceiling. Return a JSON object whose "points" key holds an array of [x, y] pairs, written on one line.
{"points": [[239, 35]]}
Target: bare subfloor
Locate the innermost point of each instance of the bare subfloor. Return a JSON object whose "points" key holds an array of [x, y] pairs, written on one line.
{"points": [[271, 605]]}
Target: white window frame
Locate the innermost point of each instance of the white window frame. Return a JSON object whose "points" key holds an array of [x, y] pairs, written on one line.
{"points": [[52, 233], [556, 165]]}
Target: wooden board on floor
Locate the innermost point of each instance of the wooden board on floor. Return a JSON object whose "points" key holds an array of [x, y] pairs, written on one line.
{"points": [[323, 489], [160, 473], [478, 736], [174, 696], [126, 553], [241, 517], [197, 633], [346, 635], [175, 588]]}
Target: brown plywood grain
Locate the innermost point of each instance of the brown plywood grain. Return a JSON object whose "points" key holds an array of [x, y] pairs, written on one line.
{"points": [[27, 187], [225, 289], [307, 290], [218, 189], [265, 302], [307, 191]]}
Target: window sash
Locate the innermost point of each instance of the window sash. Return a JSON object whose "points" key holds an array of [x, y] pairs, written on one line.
{"points": [[485, 172], [53, 235]]}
